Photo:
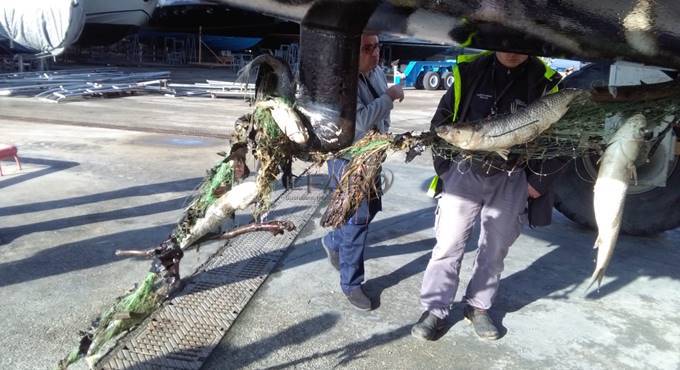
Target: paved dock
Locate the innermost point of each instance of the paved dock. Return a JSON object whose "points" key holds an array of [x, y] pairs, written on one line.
{"points": [[122, 181]]}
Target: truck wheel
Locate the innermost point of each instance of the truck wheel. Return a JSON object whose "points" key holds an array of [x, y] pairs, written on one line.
{"points": [[431, 81], [646, 211], [447, 80]]}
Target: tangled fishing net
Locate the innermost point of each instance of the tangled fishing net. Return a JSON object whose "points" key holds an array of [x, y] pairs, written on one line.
{"points": [[579, 133]]}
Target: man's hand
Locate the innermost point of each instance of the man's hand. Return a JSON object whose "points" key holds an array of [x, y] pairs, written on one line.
{"points": [[533, 193], [395, 92]]}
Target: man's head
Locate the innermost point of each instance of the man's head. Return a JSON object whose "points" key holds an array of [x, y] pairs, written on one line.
{"points": [[369, 52], [511, 60]]}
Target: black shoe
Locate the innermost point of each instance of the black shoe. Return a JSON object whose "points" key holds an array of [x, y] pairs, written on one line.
{"points": [[428, 327], [333, 256], [359, 299], [481, 322]]}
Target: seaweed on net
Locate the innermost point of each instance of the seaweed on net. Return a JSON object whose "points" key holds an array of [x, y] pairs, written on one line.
{"points": [[128, 311], [584, 130], [580, 132], [358, 181], [272, 149], [218, 181]]}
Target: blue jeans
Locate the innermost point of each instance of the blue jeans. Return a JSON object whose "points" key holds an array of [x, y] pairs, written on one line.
{"points": [[349, 240]]}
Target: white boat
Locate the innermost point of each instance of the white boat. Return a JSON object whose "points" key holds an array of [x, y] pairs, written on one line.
{"points": [[107, 21], [119, 12], [44, 27], [47, 27]]}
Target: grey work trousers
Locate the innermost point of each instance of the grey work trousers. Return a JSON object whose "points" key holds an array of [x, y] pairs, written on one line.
{"points": [[500, 201]]}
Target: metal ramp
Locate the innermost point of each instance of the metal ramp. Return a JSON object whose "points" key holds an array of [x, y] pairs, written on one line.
{"points": [[182, 333]]}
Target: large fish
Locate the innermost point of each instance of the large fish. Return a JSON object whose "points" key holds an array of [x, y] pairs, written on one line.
{"points": [[617, 168], [500, 133]]}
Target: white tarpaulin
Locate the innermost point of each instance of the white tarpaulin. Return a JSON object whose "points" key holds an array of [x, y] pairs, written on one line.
{"points": [[42, 26]]}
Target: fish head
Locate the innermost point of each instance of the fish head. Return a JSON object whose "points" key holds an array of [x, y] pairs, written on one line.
{"points": [[641, 128], [459, 135], [634, 128]]}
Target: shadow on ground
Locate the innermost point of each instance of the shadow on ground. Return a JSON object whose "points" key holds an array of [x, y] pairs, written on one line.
{"points": [[79, 255], [289, 337], [11, 233], [133, 191], [240, 357], [52, 166]]}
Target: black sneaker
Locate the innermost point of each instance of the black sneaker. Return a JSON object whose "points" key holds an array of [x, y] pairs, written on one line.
{"points": [[333, 256], [481, 322], [428, 327], [359, 299]]}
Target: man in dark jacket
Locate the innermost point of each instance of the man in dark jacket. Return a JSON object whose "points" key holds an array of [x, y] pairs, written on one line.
{"points": [[484, 85]]}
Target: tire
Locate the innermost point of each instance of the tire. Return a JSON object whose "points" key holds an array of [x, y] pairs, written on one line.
{"points": [[431, 81], [647, 210], [447, 80], [646, 213]]}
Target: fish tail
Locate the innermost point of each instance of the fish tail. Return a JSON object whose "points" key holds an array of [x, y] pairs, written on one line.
{"points": [[598, 274]]}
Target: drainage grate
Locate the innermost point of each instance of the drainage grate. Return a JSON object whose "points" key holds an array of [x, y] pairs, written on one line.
{"points": [[184, 331]]}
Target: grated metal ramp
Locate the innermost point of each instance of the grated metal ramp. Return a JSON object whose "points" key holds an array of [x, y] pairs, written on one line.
{"points": [[184, 331]]}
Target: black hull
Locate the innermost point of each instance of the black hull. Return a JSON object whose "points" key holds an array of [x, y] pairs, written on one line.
{"points": [[95, 34]]}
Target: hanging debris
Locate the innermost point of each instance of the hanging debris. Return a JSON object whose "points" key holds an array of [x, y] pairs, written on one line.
{"points": [[216, 200], [358, 181]]}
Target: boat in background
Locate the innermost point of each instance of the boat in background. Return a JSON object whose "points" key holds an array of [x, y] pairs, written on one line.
{"points": [[108, 21], [39, 27], [223, 27]]}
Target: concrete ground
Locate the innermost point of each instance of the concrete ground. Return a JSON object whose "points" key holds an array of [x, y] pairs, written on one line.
{"points": [[86, 191], [301, 319]]}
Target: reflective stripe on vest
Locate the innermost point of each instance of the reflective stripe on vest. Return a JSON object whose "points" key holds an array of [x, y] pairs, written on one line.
{"points": [[432, 189], [549, 73]]}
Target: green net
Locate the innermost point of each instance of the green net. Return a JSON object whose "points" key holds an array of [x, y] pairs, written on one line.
{"points": [[272, 149], [584, 130], [125, 314]]}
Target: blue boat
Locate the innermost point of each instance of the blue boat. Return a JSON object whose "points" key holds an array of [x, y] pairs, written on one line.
{"points": [[232, 43]]}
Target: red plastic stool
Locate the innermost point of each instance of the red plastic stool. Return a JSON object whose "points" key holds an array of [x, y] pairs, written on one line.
{"points": [[7, 151]]}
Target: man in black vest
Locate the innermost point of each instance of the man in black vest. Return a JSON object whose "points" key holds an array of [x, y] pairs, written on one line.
{"points": [[487, 84]]}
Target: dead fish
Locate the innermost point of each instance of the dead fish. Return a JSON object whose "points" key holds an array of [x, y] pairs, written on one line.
{"points": [[287, 119], [500, 133], [238, 198], [617, 168]]}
